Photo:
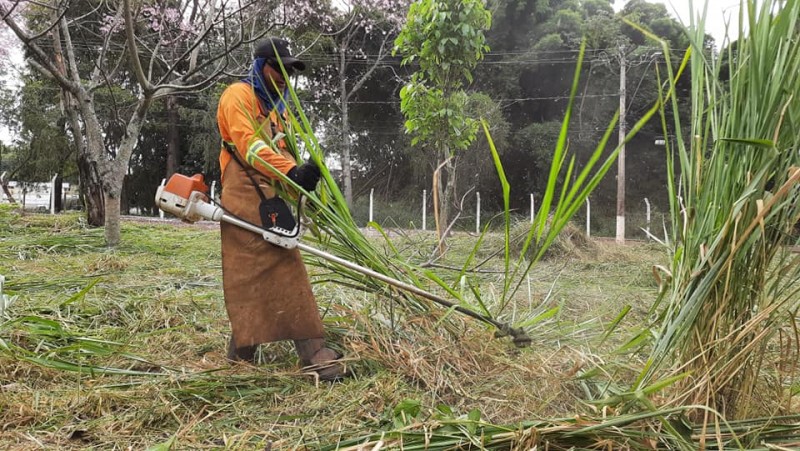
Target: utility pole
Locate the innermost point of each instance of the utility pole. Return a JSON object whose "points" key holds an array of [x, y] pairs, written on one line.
{"points": [[621, 157]]}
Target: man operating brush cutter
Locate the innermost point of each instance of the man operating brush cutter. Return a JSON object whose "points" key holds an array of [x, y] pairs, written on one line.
{"points": [[267, 292], [268, 295], [187, 198]]}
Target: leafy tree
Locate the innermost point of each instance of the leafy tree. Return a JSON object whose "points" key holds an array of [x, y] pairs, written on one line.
{"points": [[655, 18], [42, 126], [360, 44], [471, 165], [446, 38]]}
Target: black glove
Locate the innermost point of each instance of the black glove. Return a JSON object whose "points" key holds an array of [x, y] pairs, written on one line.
{"points": [[306, 176]]}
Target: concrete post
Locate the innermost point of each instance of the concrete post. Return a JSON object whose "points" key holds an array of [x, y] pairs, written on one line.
{"points": [[533, 209], [424, 209], [53, 194], [160, 211], [371, 200], [588, 218], [478, 214]]}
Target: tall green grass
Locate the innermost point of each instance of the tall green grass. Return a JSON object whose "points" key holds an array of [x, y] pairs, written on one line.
{"points": [[732, 301]]}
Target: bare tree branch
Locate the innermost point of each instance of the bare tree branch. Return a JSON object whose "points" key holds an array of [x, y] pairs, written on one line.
{"points": [[195, 51], [194, 69], [134, 51], [7, 14], [100, 77], [366, 76], [62, 13], [78, 19], [71, 59], [441, 246], [43, 60]]}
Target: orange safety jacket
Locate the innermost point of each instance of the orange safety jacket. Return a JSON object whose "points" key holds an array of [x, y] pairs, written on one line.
{"points": [[245, 126]]}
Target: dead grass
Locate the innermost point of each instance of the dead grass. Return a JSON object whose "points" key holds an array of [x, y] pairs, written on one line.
{"points": [[157, 310]]}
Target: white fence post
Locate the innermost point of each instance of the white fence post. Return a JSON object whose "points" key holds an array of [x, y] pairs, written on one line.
{"points": [[5, 300], [588, 218], [646, 201], [53, 194], [533, 208], [160, 211], [478, 214], [424, 209], [371, 199]]}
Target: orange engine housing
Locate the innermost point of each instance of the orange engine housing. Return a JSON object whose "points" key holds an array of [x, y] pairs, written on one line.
{"points": [[182, 186]]}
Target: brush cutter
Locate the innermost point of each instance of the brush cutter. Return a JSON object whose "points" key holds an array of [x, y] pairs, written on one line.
{"points": [[187, 198]]}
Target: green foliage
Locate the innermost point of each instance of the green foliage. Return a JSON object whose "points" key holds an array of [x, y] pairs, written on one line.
{"points": [[601, 30], [549, 43], [567, 23], [42, 126], [436, 119], [539, 139], [653, 18], [446, 38]]}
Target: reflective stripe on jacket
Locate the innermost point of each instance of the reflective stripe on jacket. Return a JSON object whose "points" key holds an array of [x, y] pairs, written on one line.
{"points": [[243, 123]]}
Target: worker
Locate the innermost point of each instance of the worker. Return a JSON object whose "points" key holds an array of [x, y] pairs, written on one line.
{"points": [[268, 295]]}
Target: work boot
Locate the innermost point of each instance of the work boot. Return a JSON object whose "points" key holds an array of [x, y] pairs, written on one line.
{"points": [[315, 356], [242, 354]]}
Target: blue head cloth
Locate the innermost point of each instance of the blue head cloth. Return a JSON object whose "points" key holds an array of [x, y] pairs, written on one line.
{"points": [[269, 100]]}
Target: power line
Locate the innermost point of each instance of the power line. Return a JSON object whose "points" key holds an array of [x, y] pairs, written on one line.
{"points": [[370, 59]]}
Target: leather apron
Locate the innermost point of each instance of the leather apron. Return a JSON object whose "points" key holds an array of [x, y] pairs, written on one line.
{"points": [[268, 295]]}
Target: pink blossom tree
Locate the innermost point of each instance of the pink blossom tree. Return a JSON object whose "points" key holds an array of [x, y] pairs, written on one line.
{"points": [[169, 48]]}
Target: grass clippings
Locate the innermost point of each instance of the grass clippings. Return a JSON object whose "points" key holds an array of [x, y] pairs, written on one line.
{"points": [[125, 348]]}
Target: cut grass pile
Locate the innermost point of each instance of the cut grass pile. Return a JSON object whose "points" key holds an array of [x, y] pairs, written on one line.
{"points": [[124, 349]]}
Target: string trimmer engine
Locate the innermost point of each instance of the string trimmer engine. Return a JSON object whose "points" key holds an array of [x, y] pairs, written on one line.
{"points": [[187, 198]]}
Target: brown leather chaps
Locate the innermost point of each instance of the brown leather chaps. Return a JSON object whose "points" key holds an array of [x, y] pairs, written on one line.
{"points": [[268, 295]]}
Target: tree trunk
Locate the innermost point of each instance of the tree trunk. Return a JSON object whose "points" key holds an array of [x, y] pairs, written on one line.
{"points": [[58, 190], [112, 230], [443, 190], [4, 186], [113, 172], [3, 181], [90, 188], [91, 191], [173, 137], [446, 187], [347, 174], [125, 197]]}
